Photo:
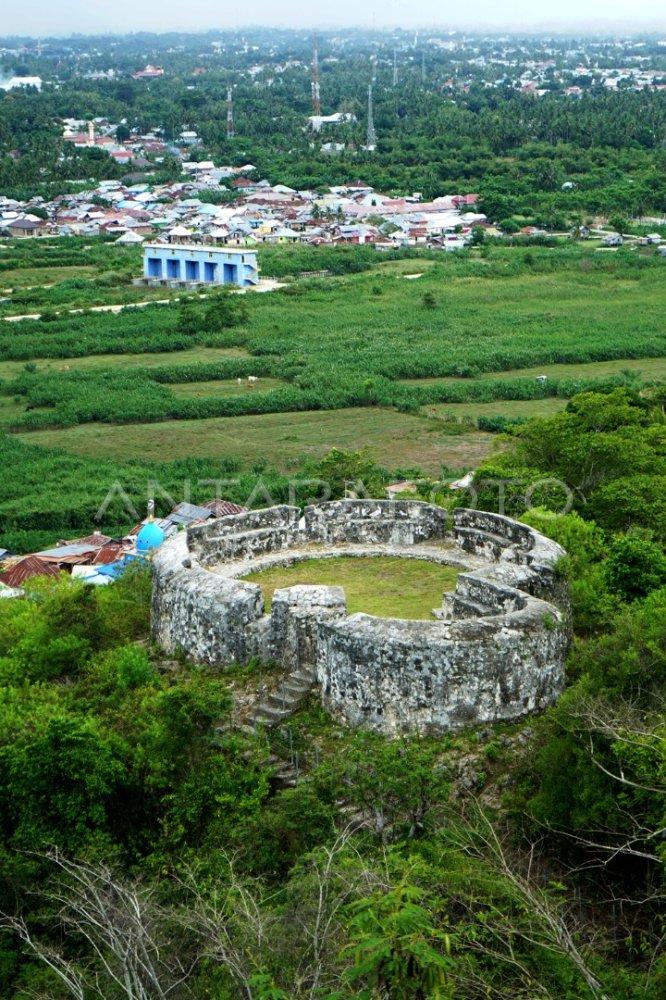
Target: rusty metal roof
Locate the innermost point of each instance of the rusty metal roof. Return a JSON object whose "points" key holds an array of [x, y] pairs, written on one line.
{"points": [[96, 538], [25, 568], [222, 508]]}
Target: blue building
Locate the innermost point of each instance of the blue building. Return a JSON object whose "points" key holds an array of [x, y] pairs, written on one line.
{"points": [[182, 263]]}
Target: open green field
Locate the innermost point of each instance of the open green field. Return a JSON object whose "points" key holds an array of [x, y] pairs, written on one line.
{"points": [[404, 368], [498, 408], [39, 277], [649, 368], [196, 355], [228, 387], [72, 295], [386, 586], [283, 439]]}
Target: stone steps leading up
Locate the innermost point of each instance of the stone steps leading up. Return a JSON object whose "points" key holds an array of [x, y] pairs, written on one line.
{"points": [[464, 607], [283, 702]]}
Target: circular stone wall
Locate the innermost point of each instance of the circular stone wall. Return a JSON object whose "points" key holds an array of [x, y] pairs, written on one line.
{"points": [[495, 651]]}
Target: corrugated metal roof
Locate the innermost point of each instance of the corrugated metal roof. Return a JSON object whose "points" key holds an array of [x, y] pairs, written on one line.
{"points": [[186, 512], [25, 568], [64, 551], [222, 508], [96, 538], [107, 554], [113, 570], [161, 523], [89, 574]]}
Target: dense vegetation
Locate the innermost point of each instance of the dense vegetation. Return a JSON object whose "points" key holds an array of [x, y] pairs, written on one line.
{"points": [[152, 844], [516, 862], [613, 311], [460, 334]]}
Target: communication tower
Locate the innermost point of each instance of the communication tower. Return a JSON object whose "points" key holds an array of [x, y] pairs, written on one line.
{"points": [[230, 114], [316, 95], [371, 141]]}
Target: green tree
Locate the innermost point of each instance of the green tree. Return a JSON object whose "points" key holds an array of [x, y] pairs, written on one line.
{"points": [[226, 309], [189, 320], [635, 566], [398, 950], [350, 472]]}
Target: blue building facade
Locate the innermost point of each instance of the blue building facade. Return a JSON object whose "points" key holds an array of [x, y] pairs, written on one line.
{"points": [[167, 263]]}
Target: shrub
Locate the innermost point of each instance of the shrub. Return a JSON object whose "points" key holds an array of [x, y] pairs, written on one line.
{"points": [[635, 566]]}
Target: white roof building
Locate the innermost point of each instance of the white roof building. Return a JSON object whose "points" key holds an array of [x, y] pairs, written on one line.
{"points": [[22, 81]]}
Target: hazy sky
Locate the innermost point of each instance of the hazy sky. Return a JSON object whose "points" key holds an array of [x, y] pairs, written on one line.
{"points": [[62, 17]]}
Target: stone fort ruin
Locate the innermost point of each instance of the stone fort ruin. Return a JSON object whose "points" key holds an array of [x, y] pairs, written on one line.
{"points": [[493, 651]]}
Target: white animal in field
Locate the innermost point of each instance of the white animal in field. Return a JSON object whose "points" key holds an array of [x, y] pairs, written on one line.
{"points": [[251, 379], [239, 380]]}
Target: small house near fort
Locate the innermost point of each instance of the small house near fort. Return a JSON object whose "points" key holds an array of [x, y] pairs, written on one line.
{"points": [[191, 263]]}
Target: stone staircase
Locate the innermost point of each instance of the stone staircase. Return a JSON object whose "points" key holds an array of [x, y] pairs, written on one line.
{"points": [[477, 597], [283, 702]]}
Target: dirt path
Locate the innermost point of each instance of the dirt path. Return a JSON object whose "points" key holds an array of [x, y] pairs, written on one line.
{"points": [[266, 285]]}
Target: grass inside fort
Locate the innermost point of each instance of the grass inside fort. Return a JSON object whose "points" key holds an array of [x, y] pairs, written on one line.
{"points": [[386, 586]]}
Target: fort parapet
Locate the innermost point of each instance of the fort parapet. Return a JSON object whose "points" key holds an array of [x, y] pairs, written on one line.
{"points": [[494, 650]]}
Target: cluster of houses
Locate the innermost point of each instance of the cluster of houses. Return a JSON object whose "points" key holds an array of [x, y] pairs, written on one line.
{"points": [[555, 65], [99, 559], [256, 212]]}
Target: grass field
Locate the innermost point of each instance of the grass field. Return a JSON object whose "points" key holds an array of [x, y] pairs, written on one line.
{"points": [[10, 369], [388, 587], [498, 408], [649, 368], [226, 387], [63, 298], [396, 440], [465, 321], [39, 277]]}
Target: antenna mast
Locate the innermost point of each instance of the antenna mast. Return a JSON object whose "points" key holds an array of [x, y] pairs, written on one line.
{"points": [[316, 96], [395, 67], [371, 141], [230, 114]]}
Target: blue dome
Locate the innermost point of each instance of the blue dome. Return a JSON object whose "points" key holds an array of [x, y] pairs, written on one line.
{"points": [[150, 537]]}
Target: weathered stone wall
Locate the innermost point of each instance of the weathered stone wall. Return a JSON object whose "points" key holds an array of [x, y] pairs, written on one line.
{"points": [[393, 676], [199, 613], [296, 615], [496, 651], [388, 522], [491, 534], [242, 536]]}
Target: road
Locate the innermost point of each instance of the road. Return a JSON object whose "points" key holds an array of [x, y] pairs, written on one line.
{"points": [[265, 285]]}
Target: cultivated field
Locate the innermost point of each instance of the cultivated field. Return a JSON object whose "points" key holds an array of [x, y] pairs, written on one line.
{"points": [[418, 371]]}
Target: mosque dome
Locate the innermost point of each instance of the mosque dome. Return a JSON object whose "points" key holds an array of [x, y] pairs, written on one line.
{"points": [[150, 537]]}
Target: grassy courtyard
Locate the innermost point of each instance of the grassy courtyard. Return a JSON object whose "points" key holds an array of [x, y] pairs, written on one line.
{"points": [[386, 586]]}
